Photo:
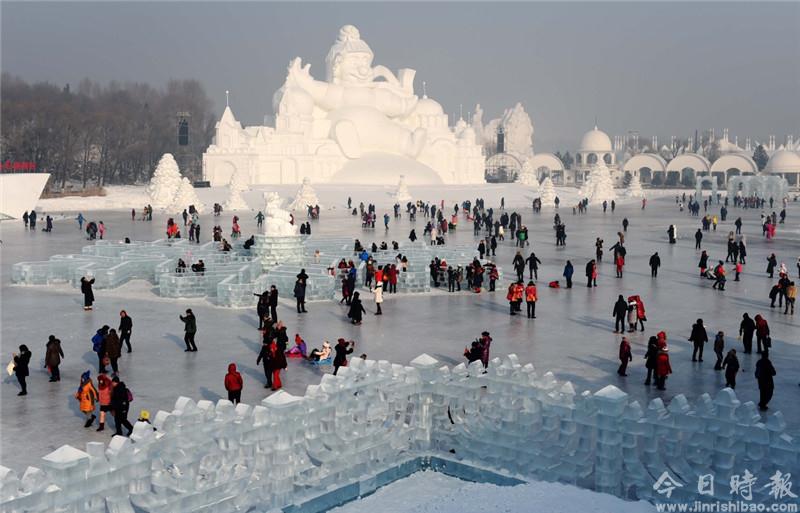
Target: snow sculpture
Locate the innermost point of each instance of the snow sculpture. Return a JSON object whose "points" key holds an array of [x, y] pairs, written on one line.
{"points": [[547, 193], [634, 189], [599, 186], [305, 197], [528, 176], [361, 122], [517, 127], [237, 186], [401, 195], [761, 186], [186, 196], [165, 182], [278, 222]]}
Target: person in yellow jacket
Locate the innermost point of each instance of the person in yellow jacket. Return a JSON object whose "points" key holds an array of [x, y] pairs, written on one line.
{"points": [[791, 296], [87, 397], [530, 299]]}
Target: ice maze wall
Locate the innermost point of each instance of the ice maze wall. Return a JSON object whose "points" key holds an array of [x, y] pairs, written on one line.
{"points": [[367, 426], [230, 278]]}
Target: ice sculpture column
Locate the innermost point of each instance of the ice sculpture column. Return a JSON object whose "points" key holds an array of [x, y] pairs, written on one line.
{"points": [[611, 403]]}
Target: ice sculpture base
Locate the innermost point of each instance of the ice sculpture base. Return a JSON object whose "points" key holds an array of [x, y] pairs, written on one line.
{"points": [[272, 250]]}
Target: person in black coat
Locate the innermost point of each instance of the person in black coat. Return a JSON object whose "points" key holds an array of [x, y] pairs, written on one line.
{"points": [[300, 291], [88, 294], [356, 309], [190, 330], [533, 266], [262, 308], [120, 406], [21, 362], [746, 329], [265, 356], [650, 357], [764, 374], [731, 366], [125, 329], [273, 302], [619, 313], [655, 263], [698, 337], [343, 348]]}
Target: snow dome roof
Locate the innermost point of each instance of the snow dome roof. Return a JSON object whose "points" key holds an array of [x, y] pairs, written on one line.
{"points": [[784, 161], [595, 140], [429, 107]]}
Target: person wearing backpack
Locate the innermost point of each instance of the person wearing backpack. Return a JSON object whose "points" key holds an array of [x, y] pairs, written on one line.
{"points": [[121, 398]]}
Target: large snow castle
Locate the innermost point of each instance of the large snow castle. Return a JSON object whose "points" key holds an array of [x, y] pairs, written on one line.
{"points": [[362, 124]]}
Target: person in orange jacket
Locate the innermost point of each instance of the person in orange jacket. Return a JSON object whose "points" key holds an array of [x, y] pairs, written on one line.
{"points": [[530, 299], [233, 384], [87, 396], [510, 298]]}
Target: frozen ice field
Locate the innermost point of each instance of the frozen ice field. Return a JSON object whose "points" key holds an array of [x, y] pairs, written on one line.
{"points": [[572, 335]]}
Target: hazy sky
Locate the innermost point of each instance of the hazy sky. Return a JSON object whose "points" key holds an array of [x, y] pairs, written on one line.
{"points": [[663, 68]]}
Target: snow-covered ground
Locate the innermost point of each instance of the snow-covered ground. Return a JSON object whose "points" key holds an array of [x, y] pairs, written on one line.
{"points": [[333, 196], [432, 492]]}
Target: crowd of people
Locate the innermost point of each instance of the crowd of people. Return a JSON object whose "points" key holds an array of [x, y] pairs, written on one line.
{"points": [[381, 271]]}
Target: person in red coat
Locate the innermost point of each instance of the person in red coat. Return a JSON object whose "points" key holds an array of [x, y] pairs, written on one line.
{"points": [[233, 384], [625, 356], [620, 264], [663, 368]]}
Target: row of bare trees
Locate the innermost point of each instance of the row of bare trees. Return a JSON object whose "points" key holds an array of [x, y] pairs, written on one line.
{"points": [[99, 134]]}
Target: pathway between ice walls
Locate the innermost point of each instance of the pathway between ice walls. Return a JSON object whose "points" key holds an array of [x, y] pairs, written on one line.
{"points": [[377, 420]]}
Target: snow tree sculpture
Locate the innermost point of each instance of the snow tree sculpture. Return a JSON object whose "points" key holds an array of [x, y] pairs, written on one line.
{"points": [[401, 195], [165, 182], [528, 176], [547, 193], [599, 187], [235, 200], [278, 222], [634, 189], [186, 196], [305, 197]]}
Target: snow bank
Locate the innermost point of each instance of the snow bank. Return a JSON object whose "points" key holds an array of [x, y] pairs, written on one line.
{"points": [[432, 492], [374, 416]]}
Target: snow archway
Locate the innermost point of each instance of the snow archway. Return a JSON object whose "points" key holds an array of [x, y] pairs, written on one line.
{"points": [[698, 163], [654, 163], [734, 164]]}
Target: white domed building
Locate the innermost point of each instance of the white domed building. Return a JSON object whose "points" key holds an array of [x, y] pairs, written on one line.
{"points": [[786, 164], [595, 148]]}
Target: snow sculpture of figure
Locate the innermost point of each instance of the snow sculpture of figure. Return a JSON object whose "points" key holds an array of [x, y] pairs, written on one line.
{"points": [[185, 197], [364, 115], [547, 193], [165, 182], [401, 195], [235, 200], [599, 187], [278, 222], [305, 197]]}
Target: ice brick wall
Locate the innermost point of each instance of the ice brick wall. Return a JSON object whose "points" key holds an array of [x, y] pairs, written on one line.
{"points": [[374, 416]]}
